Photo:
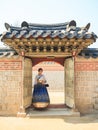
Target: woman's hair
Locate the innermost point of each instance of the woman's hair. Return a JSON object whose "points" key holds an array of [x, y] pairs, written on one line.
{"points": [[40, 69]]}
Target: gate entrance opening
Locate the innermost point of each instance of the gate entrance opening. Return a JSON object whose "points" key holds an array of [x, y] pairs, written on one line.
{"points": [[54, 73]]}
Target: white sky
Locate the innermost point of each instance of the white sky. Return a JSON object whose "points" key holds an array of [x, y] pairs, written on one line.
{"points": [[15, 12]]}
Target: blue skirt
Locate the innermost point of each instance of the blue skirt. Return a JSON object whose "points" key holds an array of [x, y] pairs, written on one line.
{"points": [[40, 94]]}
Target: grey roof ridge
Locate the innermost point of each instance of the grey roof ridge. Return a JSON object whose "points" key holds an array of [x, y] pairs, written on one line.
{"points": [[50, 25], [25, 25]]}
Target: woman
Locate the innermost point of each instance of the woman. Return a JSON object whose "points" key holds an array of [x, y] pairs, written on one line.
{"points": [[40, 94]]}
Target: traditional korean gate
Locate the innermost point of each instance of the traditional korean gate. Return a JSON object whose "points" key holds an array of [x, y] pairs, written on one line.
{"points": [[49, 41], [69, 82]]}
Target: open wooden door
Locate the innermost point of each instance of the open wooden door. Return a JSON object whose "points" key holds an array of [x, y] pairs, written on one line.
{"points": [[69, 82], [27, 82]]}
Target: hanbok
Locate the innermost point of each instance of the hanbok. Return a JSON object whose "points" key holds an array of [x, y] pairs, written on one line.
{"points": [[40, 94]]}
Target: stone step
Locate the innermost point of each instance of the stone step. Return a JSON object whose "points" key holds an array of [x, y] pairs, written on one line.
{"points": [[53, 106], [57, 106], [56, 112]]}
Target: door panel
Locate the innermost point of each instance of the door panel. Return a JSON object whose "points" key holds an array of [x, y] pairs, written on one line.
{"points": [[27, 82], [69, 82]]}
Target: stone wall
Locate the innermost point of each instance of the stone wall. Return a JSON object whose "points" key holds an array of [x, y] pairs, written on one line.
{"points": [[10, 85], [86, 84], [16, 84]]}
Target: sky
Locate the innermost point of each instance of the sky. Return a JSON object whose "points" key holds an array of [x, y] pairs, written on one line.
{"points": [[15, 12]]}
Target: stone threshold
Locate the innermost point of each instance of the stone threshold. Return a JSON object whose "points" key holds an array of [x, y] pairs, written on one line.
{"points": [[53, 106], [52, 112]]}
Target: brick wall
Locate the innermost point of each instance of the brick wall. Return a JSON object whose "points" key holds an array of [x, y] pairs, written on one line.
{"points": [[86, 82], [10, 85]]}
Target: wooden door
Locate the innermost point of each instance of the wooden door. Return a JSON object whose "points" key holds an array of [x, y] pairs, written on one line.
{"points": [[69, 82], [27, 82]]}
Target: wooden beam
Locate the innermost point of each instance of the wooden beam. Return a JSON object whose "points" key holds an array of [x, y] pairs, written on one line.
{"points": [[17, 40], [24, 40], [67, 43], [80, 40], [32, 46], [89, 40], [56, 40], [48, 39], [64, 40], [72, 40]]}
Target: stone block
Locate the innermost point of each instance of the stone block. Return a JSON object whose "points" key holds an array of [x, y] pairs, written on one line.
{"points": [[85, 108], [10, 83], [96, 106], [96, 100], [21, 114], [4, 107], [0, 107], [96, 89]]}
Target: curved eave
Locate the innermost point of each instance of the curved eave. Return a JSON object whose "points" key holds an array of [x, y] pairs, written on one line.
{"points": [[48, 47], [63, 38]]}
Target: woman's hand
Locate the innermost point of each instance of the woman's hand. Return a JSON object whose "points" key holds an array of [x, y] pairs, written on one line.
{"points": [[39, 81]]}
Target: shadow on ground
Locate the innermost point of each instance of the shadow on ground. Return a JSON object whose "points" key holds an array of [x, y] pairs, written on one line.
{"points": [[88, 118], [83, 119]]}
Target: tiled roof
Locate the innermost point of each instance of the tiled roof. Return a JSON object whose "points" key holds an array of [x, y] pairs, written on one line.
{"points": [[64, 30], [7, 53], [89, 52]]}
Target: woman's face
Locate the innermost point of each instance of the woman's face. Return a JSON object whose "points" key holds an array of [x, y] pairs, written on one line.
{"points": [[40, 72]]}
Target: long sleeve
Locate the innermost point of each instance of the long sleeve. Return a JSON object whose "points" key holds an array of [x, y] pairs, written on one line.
{"points": [[43, 78]]}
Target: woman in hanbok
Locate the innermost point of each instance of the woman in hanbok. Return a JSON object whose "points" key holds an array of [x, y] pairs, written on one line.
{"points": [[40, 94]]}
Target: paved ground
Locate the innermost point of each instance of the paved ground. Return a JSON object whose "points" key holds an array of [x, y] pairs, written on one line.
{"points": [[87, 122]]}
